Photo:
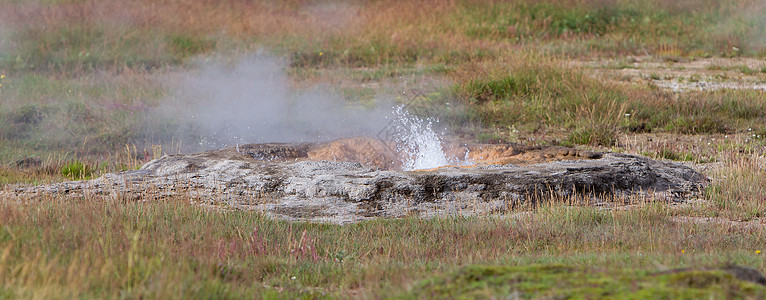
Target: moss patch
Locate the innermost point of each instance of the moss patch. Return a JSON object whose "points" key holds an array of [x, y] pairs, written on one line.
{"points": [[565, 282]]}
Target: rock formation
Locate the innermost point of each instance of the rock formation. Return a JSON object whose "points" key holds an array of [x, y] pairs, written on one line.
{"points": [[358, 178]]}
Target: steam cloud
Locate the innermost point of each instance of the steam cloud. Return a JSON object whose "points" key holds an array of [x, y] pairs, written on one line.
{"points": [[251, 101]]}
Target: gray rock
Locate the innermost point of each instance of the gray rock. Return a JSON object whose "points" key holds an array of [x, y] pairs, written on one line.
{"points": [[327, 191], [29, 162]]}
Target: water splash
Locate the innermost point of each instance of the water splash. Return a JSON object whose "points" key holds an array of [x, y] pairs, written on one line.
{"points": [[418, 144]]}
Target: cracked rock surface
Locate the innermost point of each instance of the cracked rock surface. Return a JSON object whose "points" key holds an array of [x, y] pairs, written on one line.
{"points": [[290, 186]]}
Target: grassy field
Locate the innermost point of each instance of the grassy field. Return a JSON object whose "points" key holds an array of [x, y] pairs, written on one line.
{"points": [[82, 82]]}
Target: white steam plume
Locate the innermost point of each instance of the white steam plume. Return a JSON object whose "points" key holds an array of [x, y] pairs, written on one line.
{"points": [[250, 101]]}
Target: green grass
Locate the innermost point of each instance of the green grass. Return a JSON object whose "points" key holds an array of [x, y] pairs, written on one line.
{"points": [[185, 46], [595, 136], [562, 281], [140, 249], [392, 34], [666, 153], [86, 115], [674, 29], [83, 48], [76, 170], [744, 69], [539, 93]]}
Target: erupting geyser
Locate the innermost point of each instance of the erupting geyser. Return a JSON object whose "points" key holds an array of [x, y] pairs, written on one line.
{"points": [[419, 146], [403, 173], [409, 169]]}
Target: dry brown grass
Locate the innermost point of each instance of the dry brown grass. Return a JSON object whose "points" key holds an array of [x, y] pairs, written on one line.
{"points": [[369, 33], [740, 193]]}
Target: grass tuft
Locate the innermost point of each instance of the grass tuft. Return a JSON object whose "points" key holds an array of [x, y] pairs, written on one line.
{"points": [[184, 46], [76, 170], [593, 136]]}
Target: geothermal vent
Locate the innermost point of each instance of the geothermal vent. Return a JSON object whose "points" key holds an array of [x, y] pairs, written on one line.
{"points": [[359, 178]]}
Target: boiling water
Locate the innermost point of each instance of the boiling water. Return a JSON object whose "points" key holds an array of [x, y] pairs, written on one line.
{"points": [[417, 143]]}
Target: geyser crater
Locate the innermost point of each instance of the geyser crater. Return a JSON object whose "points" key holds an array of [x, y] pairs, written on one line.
{"points": [[358, 178]]}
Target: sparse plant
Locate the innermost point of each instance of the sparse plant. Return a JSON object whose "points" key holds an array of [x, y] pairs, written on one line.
{"points": [[76, 170], [594, 136], [667, 153], [185, 46], [744, 69]]}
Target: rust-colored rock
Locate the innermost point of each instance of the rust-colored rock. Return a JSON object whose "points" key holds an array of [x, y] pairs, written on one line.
{"points": [[374, 153], [367, 151]]}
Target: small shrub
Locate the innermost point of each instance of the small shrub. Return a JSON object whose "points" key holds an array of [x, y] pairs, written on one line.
{"points": [[638, 127], [28, 115], [21, 122]]}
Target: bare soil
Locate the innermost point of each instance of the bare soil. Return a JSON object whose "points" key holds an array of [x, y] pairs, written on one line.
{"points": [[681, 74]]}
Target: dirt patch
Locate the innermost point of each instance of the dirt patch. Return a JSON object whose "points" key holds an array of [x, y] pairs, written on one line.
{"points": [[682, 74], [754, 224]]}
